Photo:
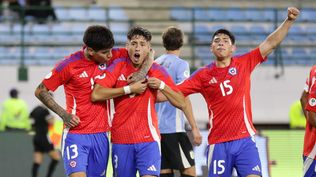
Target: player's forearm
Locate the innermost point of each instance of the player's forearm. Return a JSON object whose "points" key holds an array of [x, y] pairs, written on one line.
{"points": [[100, 93], [304, 102], [43, 95], [311, 118], [188, 112], [175, 98], [275, 38]]}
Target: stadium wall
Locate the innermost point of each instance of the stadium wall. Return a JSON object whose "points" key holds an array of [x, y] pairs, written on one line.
{"points": [[271, 97]]}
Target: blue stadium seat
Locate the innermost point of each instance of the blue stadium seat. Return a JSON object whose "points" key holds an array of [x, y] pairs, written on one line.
{"points": [[201, 28], [308, 15], [269, 15], [203, 54], [252, 15], [217, 14], [236, 15], [201, 14], [62, 13], [217, 27], [257, 28], [180, 13], [117, 13], [238, 29], [96, 14], [77, 13]]}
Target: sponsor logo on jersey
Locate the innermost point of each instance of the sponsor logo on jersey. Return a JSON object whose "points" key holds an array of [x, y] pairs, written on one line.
{"points": [[213, 81], [122, 78], [73, 164], [152, 168], [100, 76], [48, 75], [312, 102], [83, 74], [102, 66], [232, 71]]}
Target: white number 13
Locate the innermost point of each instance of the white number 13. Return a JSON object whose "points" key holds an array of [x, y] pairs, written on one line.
{"points": [[72, 151], [226, 88]]}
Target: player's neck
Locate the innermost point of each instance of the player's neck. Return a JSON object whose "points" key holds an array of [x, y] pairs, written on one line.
{"points": [[222, 62], [173, 52], [86, 54]]}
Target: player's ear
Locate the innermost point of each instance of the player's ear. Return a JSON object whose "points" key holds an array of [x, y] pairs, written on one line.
{"points": [[234, 48], [90, 51]]}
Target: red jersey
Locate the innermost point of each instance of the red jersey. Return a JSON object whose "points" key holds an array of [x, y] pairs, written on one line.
{"points": [[227, 94], [77, 74], [310, 131], [135, 119]]}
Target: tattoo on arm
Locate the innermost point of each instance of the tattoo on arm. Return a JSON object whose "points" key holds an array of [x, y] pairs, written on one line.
{"points": [[46, 98]]}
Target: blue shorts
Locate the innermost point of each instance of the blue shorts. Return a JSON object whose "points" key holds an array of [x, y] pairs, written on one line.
{"points": [[240, 154], [128, 158], [309, 167], [87, 153]]}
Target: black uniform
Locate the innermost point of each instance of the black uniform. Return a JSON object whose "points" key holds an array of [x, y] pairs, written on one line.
{"points": [[41, 140]]}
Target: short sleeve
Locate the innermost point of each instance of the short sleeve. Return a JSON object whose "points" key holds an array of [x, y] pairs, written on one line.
{"points": [[193, 84], [183, 72], [58, 76]]}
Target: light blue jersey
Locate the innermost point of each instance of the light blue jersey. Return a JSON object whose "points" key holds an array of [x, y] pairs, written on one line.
{"points": [[171, 119]]}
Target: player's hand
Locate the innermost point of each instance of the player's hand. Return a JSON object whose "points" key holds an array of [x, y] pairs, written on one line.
{"points": [[139, 87], [197, 138], [71, 120], [154, 83], [135, 77], [292, 13]]}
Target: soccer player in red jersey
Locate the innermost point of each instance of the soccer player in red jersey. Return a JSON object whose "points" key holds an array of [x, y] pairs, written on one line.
{"points": [[308, 101], [135, 135], [85, 142], [225, 85]]}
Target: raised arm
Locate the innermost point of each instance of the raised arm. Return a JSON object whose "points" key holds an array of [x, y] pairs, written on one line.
{"points": [[276, 37], [46, 98]]}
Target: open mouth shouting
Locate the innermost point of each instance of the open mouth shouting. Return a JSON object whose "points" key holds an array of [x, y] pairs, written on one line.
{"points": [[136, 57]]}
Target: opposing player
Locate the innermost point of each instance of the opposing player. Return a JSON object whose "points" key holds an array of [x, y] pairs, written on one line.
{"points": [[308, 101], [85, 145], [176, 149], [225, 85], [135, 134]]}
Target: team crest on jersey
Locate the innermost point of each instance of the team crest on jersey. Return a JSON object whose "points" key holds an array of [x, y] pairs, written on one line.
{"points": [[232, 71], [186, 73], [312, 102], [48, 75], [73, 164], [102, 66]]}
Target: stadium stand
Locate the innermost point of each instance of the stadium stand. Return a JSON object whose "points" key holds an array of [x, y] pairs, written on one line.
{"points": [[251, 25]]}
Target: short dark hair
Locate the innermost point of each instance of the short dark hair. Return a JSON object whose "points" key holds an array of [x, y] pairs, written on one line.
{"points": [[137, 30], [98, 37], [225, 31], [172, 38], [14, 93]]}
